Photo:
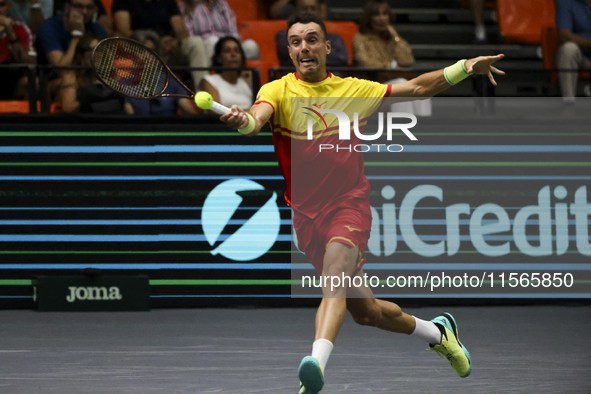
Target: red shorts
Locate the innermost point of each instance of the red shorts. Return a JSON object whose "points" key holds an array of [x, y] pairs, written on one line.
{"points": [[346, 225]]}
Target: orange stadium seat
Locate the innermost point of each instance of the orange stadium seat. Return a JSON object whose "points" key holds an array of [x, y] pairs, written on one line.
{"points": [[263, 33], [55, 108], [16, 106], [108, 4], [347, 31], [247, 10], [522, 21]]}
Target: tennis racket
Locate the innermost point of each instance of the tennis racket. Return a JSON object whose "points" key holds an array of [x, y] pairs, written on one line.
{"points": [[135, 71]]}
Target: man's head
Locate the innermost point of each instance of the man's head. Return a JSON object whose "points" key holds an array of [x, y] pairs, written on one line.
{"points": [[308, 46], [86, 8], [316, 7], [306, 7], [5, 7]]}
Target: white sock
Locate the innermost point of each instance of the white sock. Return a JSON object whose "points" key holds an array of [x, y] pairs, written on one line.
{"points": [[321, 350], [428, 331]]}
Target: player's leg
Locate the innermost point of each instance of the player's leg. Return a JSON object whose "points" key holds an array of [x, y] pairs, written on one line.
{"points": [[441, 333], [339, 262], [370, 311]]}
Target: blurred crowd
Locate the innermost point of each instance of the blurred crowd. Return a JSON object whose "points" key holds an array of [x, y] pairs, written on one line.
{"points": [[204, 34]]}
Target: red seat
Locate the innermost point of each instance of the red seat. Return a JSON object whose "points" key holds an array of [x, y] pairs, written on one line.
{"points": [[17, 106], [347, 31], [263, 33], [247, 10], [522, 21], [108, 4]]}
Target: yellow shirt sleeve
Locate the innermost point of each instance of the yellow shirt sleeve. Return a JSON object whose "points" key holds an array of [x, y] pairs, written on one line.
{"points": [[373, 94], [371, 89], [271, 93]]}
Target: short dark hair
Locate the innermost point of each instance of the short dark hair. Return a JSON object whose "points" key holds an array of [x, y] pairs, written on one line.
{"points": [[217, 51], [305, 19]]}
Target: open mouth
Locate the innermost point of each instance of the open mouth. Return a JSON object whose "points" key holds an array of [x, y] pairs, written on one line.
{"points": [[307, 61]]}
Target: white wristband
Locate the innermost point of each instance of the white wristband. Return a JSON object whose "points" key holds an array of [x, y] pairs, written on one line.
{"points": [[76, 33]]}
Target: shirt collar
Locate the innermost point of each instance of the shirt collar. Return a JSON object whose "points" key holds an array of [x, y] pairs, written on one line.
{"points": [[298, 78]]}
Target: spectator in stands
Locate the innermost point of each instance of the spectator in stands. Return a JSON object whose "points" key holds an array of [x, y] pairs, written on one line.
{"points": [[59, 35], [80, 91], [163, 106], [212, 20], [228, 87], [283, 9], [378, 45], [479, 28], [16, 46], [338, 56], [31, 12], [102, 18], [164, 17], [573, 21]]}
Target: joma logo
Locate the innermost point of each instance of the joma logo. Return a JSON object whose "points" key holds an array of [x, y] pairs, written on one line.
{"points": [[93, 294]]}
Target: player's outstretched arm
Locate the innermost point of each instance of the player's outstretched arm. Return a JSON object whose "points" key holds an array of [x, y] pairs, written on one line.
{"points": [[237, 118], [433, 83]]}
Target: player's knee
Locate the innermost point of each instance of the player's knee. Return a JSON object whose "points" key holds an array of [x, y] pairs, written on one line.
{"points": [[334, 268], [338, 262]]}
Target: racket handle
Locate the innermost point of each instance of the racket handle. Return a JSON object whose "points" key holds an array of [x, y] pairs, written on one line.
{"points": [[219, 109]]}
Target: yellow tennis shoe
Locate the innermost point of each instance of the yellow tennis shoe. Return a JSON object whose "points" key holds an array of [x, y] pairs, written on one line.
{"points": [[450, 346], [311, 376]]}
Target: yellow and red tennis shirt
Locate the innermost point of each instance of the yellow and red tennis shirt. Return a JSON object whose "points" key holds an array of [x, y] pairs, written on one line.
{"points": [[320, 179]]}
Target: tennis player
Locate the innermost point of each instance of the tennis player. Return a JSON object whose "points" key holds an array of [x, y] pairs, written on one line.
{"points": [[332, 216]]}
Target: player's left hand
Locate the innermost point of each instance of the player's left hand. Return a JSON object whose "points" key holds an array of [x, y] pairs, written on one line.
{"points": [[482, 65]]}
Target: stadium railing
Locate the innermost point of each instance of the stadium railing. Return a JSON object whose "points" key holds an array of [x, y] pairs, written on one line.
{"points": [[39, 77]]}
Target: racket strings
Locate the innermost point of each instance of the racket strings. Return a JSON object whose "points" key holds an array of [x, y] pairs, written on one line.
{"points": [[129, 68]]}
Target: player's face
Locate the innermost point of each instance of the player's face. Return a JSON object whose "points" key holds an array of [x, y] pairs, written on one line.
{"points": [[308, 48], [381, 19]]}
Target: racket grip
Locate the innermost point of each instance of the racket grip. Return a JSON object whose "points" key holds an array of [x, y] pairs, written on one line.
{"points": [[219, 109]]}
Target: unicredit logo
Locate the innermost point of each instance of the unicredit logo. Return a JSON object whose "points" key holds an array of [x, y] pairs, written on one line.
{"points": [[254, 237]]}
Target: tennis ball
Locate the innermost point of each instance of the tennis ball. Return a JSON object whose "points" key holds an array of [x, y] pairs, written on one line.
{"points": [[203, 100]]}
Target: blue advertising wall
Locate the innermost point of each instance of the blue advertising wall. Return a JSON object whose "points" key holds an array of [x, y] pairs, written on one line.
{"points": [[200, 209], [129, 198]]}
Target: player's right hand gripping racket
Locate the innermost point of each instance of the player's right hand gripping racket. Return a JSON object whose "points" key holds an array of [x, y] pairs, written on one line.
{"points": [[135, 71]]}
